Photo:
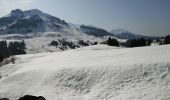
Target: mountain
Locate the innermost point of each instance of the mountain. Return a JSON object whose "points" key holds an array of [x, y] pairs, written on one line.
{"points": [[32, 21], [22, 22], [119, 31], [46, 33], [124, 34], [90, 30]]}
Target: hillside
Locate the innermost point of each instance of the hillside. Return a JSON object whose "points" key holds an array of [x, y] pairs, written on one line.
{"points": [[39, 30], [36, 21], [90, 73], [41, 42], [23, 22]]}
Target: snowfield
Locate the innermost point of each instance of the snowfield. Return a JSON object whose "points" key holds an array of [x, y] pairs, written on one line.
{"points": [[39, 42], [91, 73]]}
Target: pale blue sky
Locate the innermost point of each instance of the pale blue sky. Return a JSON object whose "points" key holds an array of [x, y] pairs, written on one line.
{"points": [[148, 17]]}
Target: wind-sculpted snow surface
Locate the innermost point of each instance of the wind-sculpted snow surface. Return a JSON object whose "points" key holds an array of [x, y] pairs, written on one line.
{"points": [[91, 73]]}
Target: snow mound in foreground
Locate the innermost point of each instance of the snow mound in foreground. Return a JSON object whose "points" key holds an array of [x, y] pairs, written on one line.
{"points": [[90, 73]]}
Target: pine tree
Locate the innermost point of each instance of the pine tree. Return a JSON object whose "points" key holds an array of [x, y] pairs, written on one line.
{"points": [[1, 58], [112, 42]]}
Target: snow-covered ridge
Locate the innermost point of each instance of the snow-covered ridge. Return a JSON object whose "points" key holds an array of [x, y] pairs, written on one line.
{"points": [[90, 73], [32, 21]]}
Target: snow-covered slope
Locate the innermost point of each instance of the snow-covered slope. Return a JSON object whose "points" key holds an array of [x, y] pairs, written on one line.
{"points": [[24, 22], [40, 42], [34, 20], [90, 73]]}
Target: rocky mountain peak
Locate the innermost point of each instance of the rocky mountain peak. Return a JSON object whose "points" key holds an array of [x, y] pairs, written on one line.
{"points": [[17, 13]]}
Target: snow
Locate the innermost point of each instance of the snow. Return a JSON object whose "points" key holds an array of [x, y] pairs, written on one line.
{"points": [[48, 24], [50, 29], [90, 73], [3, 27], [39, 42]]}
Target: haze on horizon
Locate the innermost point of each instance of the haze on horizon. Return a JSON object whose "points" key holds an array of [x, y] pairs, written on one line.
{"points": [[146, 17]]}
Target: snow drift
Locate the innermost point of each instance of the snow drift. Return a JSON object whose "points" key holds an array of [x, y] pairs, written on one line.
{"points": [[90, 73]]}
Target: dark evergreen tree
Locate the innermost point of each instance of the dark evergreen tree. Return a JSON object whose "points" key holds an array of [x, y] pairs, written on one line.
{"points": [[158, 40], [54, 43], [4, 49], [16, 48], [164, 40], [138, 42], [1, 58], [83, 43], [149, 41], [112, 42], [94, 43], [167, 39]]}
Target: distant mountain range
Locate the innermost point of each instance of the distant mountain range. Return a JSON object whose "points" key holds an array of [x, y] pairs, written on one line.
{"points": [[32, 21], [43, 32], [124, 34]]}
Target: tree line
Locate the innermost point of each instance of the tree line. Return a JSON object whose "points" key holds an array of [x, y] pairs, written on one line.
{"points": [[139, 42], [112, 42], [164, 40], [13, 48]]}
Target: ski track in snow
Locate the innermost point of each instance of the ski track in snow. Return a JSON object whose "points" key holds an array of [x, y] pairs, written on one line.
{"points": [[90, 73]]}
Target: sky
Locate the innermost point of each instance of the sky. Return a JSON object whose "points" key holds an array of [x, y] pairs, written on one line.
{"points": [[146, 17]]}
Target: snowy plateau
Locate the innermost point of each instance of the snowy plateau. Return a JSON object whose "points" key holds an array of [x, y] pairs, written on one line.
{"points": [[97, 72]]}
